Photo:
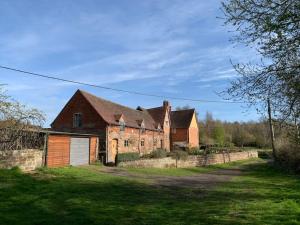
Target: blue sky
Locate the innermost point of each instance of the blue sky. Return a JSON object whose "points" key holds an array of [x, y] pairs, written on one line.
{"points": [[173, 48]]}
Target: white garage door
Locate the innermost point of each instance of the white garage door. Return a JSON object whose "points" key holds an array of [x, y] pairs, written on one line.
{"points": [[79, 151]]}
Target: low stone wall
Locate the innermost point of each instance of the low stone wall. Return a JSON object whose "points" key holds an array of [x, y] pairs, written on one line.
{"points": [[26, 160], [191, 161]]}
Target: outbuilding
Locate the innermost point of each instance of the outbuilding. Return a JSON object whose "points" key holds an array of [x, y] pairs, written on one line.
{"points": [[64, 149]]}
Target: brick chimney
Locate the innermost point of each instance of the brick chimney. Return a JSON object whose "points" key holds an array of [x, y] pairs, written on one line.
{"points": [[166, 105]]}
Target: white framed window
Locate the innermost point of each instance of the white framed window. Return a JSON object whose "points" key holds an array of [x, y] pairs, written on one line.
{"points": [[77, 120], [142, 142]]}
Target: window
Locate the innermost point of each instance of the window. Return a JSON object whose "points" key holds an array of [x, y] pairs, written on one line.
{"points": [[142, 124], [158, 127], [126, 143], [142, 142], [77, 120], [161, 143], [122, 125], [155, 142]]}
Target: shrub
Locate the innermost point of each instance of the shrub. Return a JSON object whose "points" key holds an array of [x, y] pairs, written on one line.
{"points": [[265, 154], [159, 153], [179, 154], [16, 169], [146, 156], [195, 151], [288, 156], [130, 156]]}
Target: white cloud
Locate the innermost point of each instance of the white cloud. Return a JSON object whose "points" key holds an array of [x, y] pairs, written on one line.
{"points": [[216, 78], [177, 43]]}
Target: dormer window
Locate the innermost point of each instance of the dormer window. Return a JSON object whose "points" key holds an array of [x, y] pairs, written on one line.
{"points": [[77, 120], [158, 127], [122, 125], [143, 127], [120, 119], [141, 123]]}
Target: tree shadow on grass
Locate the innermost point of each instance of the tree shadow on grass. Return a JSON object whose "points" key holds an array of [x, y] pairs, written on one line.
{"points": [[75, 196]]}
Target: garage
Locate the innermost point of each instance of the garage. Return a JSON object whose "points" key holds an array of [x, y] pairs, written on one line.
{"points": [[64, 149], [79, 151]]}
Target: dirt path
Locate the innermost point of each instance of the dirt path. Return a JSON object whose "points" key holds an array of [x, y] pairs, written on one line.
{"points": [[201, 180]]}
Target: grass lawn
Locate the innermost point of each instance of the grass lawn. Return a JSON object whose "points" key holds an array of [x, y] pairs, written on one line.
{"points": [[184, 171], [261, 195]]}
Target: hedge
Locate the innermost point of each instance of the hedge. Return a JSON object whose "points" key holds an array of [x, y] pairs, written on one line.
{"points": [[129, 156], [158, 153]]}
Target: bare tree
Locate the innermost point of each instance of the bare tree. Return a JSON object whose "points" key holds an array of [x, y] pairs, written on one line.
{"points": [[273, 28], [17, 121]]}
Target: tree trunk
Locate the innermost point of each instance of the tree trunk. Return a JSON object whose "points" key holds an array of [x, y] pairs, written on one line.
{"points": [[271, 129]]}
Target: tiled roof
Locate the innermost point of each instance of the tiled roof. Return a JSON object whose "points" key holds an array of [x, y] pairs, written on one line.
{"points": [[182, 118], [158, 114], [109, 111]]}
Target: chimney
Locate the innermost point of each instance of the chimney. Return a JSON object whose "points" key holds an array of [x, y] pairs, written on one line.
{"points": [[166, 105]]}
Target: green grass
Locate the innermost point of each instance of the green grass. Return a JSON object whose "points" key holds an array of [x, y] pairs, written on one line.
{"points": [[169, 171], [185, 171], [263, 195]]}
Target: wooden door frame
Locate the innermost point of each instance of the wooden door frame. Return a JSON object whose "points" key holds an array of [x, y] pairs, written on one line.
{"points": [[117, 146]]}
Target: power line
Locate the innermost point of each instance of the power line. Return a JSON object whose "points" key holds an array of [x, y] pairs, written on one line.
{"points": [[113, 89]]}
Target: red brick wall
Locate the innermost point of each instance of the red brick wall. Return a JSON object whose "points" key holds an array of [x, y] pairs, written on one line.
{"points": [[91, 122], [58, 152], [134, 137], [181, 134], [93, 149]]}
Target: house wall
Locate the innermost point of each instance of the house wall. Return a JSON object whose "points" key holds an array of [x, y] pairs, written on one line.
{"points": [[193, 133], [189, 136], [179, 135], [93, 149], [91, 122], [166, 128], [134, 137]]}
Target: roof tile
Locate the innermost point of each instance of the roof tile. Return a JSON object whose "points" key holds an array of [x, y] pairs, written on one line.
{"points": [[182, 118], [108, 111]]}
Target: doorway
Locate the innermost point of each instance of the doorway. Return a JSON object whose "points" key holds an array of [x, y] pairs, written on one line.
{"points": [[114, 150]]}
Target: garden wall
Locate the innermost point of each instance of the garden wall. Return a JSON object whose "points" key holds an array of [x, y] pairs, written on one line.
{"points": [[26, 160], [191, 161]]}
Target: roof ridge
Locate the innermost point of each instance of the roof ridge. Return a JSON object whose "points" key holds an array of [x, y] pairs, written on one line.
{"points": [[156, 107], [91, 104], [102, 99], [181, 110]]}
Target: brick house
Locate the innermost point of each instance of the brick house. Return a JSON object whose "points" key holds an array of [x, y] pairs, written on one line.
{"points": [[119, 128], [184, 128]]}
